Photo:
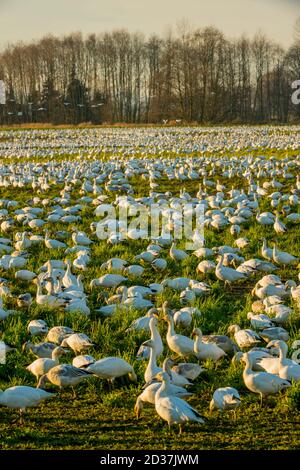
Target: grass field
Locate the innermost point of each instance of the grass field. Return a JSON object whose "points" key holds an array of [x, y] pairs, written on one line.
{"points": [[103, 419]]}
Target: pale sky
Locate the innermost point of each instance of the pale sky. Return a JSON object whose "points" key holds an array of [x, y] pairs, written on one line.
{"points": [[31, 19]]}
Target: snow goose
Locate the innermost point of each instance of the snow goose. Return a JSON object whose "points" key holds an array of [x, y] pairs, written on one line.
{"points": [[275, 332], [159, 264], [53, 244], [58, 333], [281, 312], [148, 395], [255, 354], [111, 368], [206, 266], [180, 344], [226, 398], [282, 257], [134, 270], [286, 368], [37, 327], [259, 321], [176, 254], [42, 350], [41, 366], [64, 375], [143, 323], [47, 299], [172, 409], [223, 342], [69, 279], [78, 342], [204, 351], [187, 296], [244, 338], [108, 281], [25, 275], [189, 370], [279, 226], [83, 361], [262, 383], [22, 397], [80, 238], [228, 275]]}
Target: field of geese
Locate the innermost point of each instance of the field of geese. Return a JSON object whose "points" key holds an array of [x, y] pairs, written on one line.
{"points": [[116, 337]]}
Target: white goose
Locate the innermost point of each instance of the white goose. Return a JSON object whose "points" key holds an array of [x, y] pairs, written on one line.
{"points": [[180, 344], [148, 395], [112, 367], [204, 351], [286, 368], [22, 397], [244, 338], [227, 275], [172, 409], [226, 398], [41, 366], [78, 342], [282, 257], [64, 375], [262, 383]]}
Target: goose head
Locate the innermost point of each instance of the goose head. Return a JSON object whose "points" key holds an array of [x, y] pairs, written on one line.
{"points": [[237, 357], [167, 364], [246, 360], [197, 333], [149, 344], [42, 382], [276, 346], [232, 329], [162, 377]]}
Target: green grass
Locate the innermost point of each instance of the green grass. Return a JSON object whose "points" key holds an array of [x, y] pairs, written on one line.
{"points": [[99, 419]]}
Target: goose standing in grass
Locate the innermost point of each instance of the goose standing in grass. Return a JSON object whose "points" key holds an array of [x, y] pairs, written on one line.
{"points": [[176, 254], [57, 334], [41, 366], [226, 398], [286, 368], [204, 351], [244, 338], [179, 344], [279, 226], [108, 280], [189, 370], [63, 376], [40, 350], [282, 257], [22, 397], [172, 409], [228, 275], [110, 368], [37, 327], [47, 299], [262, 383], [259, 321], [275, 332], [148, 395], [53, 244], [78, 342]]}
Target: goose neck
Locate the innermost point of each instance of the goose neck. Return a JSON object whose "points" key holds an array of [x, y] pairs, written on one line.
{"points": [[171, 330]]}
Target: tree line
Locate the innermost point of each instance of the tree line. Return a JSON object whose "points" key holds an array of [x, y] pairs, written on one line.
{"points": [[195, 75]]}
